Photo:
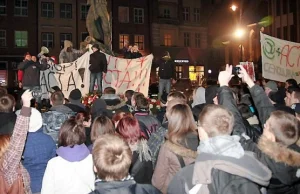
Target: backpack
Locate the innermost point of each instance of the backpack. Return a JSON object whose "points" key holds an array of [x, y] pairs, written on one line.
{"points": [[52, 121], [16, 188]]}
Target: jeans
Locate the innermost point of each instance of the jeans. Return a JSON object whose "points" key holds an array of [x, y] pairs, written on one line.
{"points": [[164, 84], [93, 78]]}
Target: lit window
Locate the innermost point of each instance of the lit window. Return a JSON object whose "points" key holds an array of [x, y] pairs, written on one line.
{"points": [[178, 71], [123, 39], [21, 8], [139, 41], [21, 38], [138, 14], [167, 40], [196, 73]]}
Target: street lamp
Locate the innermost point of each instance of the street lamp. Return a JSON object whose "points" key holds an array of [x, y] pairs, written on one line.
{"points": [[233, 7]]}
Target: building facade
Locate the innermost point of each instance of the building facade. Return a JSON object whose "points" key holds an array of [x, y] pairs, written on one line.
{"points": [[18, 35], [178, 28]]}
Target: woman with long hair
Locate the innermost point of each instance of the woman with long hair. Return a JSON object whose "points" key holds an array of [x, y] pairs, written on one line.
{"points": [[141, 168], [179, 149], [72, 170]]}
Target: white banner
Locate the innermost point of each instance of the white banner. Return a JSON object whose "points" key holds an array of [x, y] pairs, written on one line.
{"points": [[122, 74], [280, 58]]}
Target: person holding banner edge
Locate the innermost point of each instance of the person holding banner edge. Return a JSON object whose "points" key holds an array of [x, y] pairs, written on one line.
{"points": [[98, 68]]}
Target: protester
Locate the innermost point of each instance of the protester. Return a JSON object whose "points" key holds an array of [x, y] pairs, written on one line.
{"points": [[134, 98], [72, 170], [179, 149], [222, 164], [112, 159], [291, 83], [98, 68], [13, 176], [102, 125], [57, 115], [211, 94], [99, 108], [75, 101], [135, 53], [68, 53], [166, 73], [277, 148], [271, 86], [198, 102], [113, 101], [86, 120], [141, 168], [38, 150], [128, 95], [148, 123], [8, 117], [292, 96], [176, 95], [160, 115]]}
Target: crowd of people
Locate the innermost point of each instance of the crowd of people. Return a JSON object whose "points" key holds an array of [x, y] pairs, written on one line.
{"points": [[229, 139]]}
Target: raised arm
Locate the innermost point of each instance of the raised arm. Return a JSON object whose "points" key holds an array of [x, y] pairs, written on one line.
{"points": [[12, 156]]}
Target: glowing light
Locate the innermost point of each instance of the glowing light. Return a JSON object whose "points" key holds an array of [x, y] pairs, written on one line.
{"points": [[209, 71], [233, 7], [239, 33]]}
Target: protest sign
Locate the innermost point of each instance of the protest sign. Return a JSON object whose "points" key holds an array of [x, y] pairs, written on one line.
{"points": [[280, 58], [249, 67], [122, 74]]}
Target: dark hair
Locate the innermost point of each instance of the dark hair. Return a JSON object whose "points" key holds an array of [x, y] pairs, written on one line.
{"points": [[109, 90], [3, 91], [292, 89], [292, 82], [129, 94], [101, 125], [72, 132], [142, 103], [57, 98], [245, 111], [7, 103]]}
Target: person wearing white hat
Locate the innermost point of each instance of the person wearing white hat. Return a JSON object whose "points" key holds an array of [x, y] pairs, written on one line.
{"points": [[39, 149]]}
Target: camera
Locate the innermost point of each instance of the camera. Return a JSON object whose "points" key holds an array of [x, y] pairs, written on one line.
{"points": [[236, 70], [36, 93]]}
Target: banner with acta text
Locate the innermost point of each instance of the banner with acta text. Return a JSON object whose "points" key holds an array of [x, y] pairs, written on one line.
{"points": [[280, 59], [122, 74]]}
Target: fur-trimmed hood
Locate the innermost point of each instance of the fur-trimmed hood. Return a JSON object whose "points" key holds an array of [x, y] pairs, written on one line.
{"points": [[117, 106], [180, 150], [279, 153]]}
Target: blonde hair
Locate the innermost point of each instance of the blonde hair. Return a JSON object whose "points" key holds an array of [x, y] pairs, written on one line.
{"points": [[4, 143], [180, 122], [112, 157], [101, 125], [216, 120]]}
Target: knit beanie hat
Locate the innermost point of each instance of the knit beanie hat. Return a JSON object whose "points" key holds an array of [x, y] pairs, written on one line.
{"points": [[211, 93], [272, 85], [75, 95], [36, 120]]}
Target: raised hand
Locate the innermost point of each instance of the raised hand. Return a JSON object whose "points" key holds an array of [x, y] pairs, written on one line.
{"points": [[245, 76], [26, 97], [225, 76]]}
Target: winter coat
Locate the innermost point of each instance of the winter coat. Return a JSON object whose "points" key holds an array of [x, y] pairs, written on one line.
{"points": [[167, 70], [31, 72], [70, 172], [114, 103], [125, 187], [7, 123], [149, 121], [197, 109], [168, 163], [98, 62], [142, 171], [135, 55], [39, 149], [217, 174]]}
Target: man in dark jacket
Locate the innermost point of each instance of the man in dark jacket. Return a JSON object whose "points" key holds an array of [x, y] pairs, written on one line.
{"points": [[222, 165], [166, 73], [8, 117], [31, 72], [112, 159], [98, 68]]}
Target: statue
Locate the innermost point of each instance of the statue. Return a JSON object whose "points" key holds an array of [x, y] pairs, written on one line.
{"points": [[98, 24]]}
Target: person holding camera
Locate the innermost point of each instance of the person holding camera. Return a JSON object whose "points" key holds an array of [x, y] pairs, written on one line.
{"points": [[31, 74]]}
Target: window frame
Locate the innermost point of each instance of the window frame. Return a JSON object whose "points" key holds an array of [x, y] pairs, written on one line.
{"points": [[122, 40], [82, 33], [62, 40], [47, 44], [186, 39], [47, 10], [198, 40], [3, 38], [124, 21], [166, 13], [137, 18], [167, 39], [4, 8], [197, 14], [63, 13], [16, 46], [186, 14], [138, 42], [21, 8], [83, 13]]}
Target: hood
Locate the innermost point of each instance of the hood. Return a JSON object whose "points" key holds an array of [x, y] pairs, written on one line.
{"points": [[119, 105], [36, 120], [247, 166], [61, 108], [110, 97], [180, 150], [199, 97], [211, 93], [282, 154], [99, 107], [67, 44], [73, 154]]}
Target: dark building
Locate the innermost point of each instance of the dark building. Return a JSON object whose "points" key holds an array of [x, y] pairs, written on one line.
{"points": [[131, 22], [18, 35]]}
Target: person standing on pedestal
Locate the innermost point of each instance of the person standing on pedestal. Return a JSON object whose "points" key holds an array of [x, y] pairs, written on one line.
{"points": [[166, 73], [98, 68]]}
